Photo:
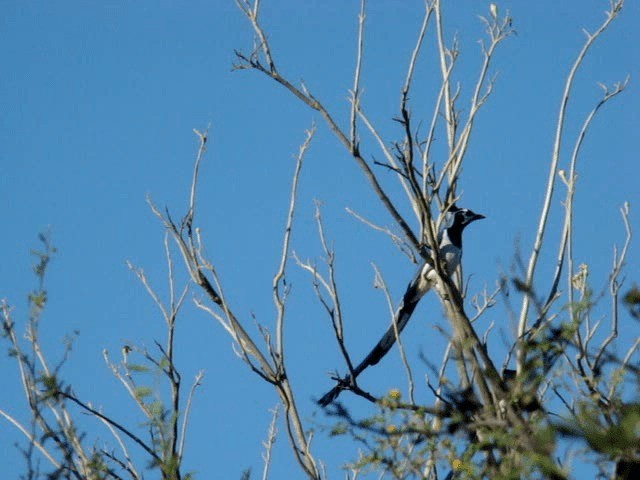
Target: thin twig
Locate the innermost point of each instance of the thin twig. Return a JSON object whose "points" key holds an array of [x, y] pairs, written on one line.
{"points": [[32, 439], [187, 412], [355, 94], [614, 284], [194, 183], [271, 440], [380, 283], [130, 467], [112, 422], [278, 297], [403, 246]]}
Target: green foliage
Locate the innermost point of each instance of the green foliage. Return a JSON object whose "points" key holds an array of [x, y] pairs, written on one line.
{"points": [[97, 467], [400, 439], [142, 392], [613, 436], [632, 300], [38, 298], [138, 368], [53, 427]]}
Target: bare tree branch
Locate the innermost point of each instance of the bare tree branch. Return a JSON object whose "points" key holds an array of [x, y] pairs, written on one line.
{"points": [[537, 246], [306, 97]]}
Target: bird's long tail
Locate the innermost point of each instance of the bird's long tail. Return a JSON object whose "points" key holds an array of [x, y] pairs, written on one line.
{"points": [[415, 291]]}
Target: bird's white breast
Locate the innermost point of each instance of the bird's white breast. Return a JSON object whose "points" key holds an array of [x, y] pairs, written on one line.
{"points": [[450, 255]]}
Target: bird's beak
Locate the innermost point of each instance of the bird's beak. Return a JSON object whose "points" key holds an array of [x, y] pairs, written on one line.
{"points": [[477, 216]]}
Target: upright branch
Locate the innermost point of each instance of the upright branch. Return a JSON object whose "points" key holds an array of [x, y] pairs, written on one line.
{"points": [[420, 198], [615, 8], [172, 432], [322, 286], [268, 362], [615, 283], [447, 59], [497, 30], [197, 266], [570, 180], [279, 288], [355, 93], [299, 440]]}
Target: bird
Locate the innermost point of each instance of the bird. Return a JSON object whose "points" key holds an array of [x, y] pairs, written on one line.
{"points": [[450, 252]]}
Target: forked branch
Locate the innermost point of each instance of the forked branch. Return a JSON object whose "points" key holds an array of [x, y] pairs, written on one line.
{"points": [[613, 12]]}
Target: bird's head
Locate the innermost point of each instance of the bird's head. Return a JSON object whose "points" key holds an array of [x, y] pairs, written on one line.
{"points": [[460, 217], [464, 216]]}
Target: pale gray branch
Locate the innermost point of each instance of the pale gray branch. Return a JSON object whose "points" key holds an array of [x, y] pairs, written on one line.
{"points": [[546, 207]]}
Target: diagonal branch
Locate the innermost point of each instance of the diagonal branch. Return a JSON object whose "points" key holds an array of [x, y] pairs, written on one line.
{"points": [[308, 99]]}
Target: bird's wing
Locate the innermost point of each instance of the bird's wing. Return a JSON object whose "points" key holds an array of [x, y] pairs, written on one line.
{"points": [[415, 291]]}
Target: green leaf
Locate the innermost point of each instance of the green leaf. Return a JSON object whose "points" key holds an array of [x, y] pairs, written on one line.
{"points": [[137, 368], [142, 392]]}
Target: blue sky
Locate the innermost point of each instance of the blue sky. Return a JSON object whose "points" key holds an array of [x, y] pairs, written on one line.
{"points": [[98, 101]]}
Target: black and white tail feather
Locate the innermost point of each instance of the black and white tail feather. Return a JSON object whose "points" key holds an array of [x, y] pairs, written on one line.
{"points": [[450, 246]]}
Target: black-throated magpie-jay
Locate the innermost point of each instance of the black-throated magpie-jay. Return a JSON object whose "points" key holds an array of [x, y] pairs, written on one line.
{"points": [[450, 251]]}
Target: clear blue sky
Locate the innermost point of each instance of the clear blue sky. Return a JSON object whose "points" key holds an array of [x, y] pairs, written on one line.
{"points": [[97, 105]]}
